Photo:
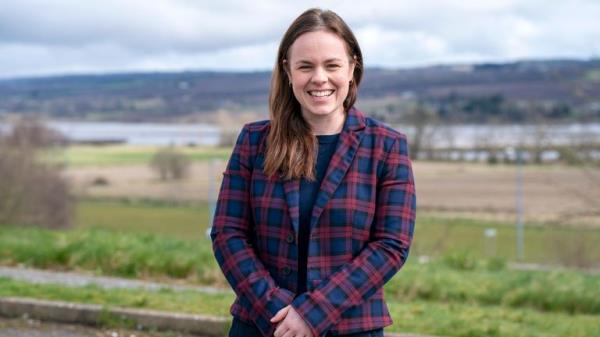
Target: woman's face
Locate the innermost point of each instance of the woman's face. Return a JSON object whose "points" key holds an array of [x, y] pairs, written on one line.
{"points": [[320, 70]]}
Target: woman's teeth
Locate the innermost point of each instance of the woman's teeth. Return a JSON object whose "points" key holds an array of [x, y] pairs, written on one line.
{"points": [[321, 93]]}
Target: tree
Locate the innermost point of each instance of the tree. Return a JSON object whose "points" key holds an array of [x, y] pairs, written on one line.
{"points": [[33, 190], [170, 164], [423, 121]]}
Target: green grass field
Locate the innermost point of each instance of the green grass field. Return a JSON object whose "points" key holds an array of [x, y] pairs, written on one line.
{"points": [[418, 316], [81, 155], [186, 221], [460, 279], [434, 235], [459, 292], [571, 246]]}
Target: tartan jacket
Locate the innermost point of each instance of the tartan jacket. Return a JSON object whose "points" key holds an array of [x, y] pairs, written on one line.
{"points": [[361, 229]]}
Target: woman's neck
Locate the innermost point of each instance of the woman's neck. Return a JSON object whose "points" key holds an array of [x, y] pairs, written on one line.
{"points": [[326, 124]]}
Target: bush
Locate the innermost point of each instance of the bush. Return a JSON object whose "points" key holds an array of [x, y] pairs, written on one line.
{"points": [[100, 181], [461, 260], [33, 191], [170, 164], [496, 263]]}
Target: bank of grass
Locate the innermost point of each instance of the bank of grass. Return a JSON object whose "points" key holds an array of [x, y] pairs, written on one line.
{"points": [[456, 278], [434, 235], [185, 221], [85, 155], [417, 316], [543, 243]]}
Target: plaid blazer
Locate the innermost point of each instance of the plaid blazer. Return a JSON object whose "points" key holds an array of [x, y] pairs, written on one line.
{"points": [[361, 229]]}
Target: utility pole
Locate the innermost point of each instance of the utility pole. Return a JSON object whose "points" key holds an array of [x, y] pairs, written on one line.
{"points": [[519, 206]]}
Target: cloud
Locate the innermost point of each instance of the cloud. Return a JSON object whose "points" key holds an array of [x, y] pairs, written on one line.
{"points": [[67, 36]]}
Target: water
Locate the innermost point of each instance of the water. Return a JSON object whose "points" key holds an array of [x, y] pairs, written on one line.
{"points": [[138, 133], [512, 135], [445, 136]]}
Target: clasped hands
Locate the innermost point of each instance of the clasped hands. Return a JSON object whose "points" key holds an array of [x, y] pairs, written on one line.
{"points": [[291, 324]]}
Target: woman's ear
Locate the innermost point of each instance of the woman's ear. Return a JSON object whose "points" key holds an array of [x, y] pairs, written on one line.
{"points": [[286, 67], [352, 66]]}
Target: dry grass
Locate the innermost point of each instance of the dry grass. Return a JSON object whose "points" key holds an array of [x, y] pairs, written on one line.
{"points": [[140, 181], [557, 194], [553, 194]]}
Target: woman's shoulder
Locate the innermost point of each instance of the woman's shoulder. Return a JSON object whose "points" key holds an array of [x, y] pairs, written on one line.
{"points": [[254, 133], [257, 126], [380, 129]]}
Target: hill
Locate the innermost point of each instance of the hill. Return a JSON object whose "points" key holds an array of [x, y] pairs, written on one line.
{"points": [[507, 92]]}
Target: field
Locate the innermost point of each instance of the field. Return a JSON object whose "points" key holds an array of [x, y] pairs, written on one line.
{"points": [[457, 202], [450, 296], [434, 235], [457, 282], [553, 195]]}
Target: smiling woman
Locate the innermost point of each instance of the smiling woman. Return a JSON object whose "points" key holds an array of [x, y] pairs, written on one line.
{"points": [[320, 73], [317, 206]]}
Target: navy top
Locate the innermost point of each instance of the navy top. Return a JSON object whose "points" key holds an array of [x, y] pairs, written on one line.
{"points": [[308, 194]]}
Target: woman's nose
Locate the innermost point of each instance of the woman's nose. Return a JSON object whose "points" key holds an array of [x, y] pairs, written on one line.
{"points": [[319, 76]]}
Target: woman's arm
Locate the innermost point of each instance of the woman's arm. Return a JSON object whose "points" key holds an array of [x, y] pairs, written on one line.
{"points": [[232, 247], [382, 257]]}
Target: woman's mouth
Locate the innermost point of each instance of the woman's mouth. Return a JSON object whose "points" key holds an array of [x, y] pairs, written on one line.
{"points": [[320, 93]]}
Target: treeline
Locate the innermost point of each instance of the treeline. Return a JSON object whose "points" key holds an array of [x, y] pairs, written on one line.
{"points": [[495, 108], [563, 90]]}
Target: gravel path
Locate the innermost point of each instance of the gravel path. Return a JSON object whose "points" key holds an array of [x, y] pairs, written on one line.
{"points": [[79, 280]]}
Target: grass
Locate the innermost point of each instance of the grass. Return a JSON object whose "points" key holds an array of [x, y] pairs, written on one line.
{"points": [[443, 319], [110, 253], [434, 235], [82, 155], [459, 293], [187, 221], [164, 299], [160, 257], [574, 246]]}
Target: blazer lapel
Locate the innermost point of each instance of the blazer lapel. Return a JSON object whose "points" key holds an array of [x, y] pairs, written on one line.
{"points": [[341, 160], [291, 187]]}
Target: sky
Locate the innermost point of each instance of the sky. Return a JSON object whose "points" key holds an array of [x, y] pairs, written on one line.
{"points": [[57, 37]]}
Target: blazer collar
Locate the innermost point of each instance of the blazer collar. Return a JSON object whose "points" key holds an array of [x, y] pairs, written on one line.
{"points": [[341, 160]]}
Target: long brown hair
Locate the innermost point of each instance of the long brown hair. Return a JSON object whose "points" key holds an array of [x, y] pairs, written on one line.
{"points": [[291, 146]]}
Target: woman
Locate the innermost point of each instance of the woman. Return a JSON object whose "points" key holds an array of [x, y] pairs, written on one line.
{"points": [[317, 205]]}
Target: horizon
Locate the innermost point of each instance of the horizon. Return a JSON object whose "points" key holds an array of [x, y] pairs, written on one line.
{"points": [[250, 71]]}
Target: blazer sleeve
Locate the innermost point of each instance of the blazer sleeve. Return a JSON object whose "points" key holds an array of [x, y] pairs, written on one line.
{"points": [[232, 228], [381, 258]]}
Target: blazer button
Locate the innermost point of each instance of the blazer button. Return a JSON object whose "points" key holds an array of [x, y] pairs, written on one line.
{"points": [[290, 238], [286, 270]]}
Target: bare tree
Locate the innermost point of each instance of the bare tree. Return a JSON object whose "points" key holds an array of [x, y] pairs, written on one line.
{"points": [[33, 191], [423, 120]]}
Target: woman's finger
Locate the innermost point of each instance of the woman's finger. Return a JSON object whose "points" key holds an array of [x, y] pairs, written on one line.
{"points": [[280, 330], [290, 333], [280, 315]]}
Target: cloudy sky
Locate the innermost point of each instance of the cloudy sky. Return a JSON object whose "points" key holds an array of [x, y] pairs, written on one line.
{"points": [[50, 37]]}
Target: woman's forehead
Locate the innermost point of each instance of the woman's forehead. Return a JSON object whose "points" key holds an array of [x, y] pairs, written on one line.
{"points": [[319, 45]]}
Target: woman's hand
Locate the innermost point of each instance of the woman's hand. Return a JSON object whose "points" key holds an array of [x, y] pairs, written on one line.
{"points": [[292, 325]]}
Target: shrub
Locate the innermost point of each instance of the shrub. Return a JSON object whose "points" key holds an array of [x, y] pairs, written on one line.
{"points": [[461, 260], [496, 263], [100, 181], [170, 164], [33, 190]]}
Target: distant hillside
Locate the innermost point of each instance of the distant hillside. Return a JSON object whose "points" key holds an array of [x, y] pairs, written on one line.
{"points": [[561, 89]]}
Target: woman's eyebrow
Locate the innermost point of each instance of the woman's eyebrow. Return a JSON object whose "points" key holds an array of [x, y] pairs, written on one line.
{"points": [[326, 61]]}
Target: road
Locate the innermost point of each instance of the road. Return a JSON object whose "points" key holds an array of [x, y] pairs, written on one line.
{"points": [[34, 328]]}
